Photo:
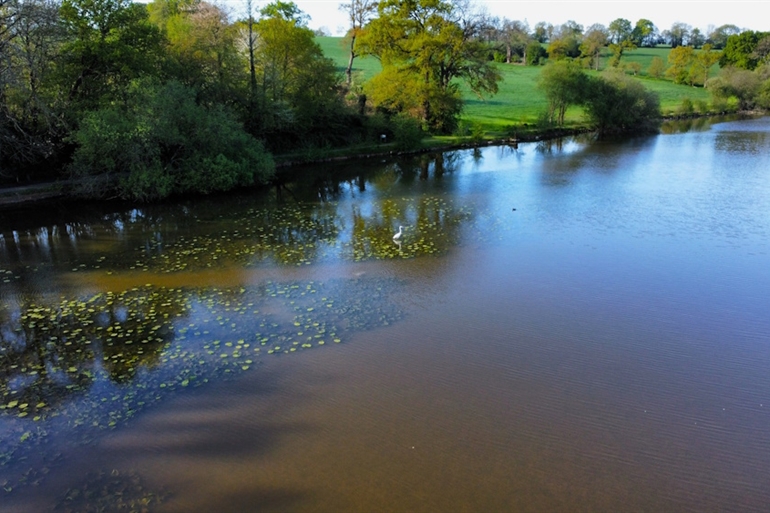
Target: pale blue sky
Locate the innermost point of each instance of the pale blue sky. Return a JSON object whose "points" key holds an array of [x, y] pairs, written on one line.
{"points": [[746, 14]]}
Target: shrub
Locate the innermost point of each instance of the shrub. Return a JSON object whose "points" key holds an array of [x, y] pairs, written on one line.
{"points": [[686, 108], [407, 133], [617, 103], [161, 143]]}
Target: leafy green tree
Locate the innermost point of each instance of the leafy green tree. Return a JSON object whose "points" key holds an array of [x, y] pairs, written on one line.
{"points": [[201, 47], [110, 44], [162, 143], [696, 39], [680, 60], [677, 35], [594, 40], [762, 50], [740, 50], [644, 33], [298, 84], [535, 53], [620, 30], [427, 46], [565, 41], [618, 49], [542, 32], [617, 103], [701, 66], [515, 39], [563, 83], [657, 67]]}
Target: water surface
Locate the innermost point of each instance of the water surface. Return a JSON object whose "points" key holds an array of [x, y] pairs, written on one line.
{"points": [[578, 325]]}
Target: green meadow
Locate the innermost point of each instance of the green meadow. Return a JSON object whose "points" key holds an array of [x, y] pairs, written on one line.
{"points": [[518, 103]]}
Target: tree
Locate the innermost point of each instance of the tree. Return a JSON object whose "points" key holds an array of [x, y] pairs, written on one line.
{"points": [[535, 53], [618, 49], [644, 33], [696, 39], [620, 30], [677, 35], [563, 83], [657, 67], [298, 84], [734, 83], [594, 40], [202, 49], [740, 50], [762, 50], [704, 60], [427, 46], [617, 103], [514, 36], [718, 37], [542, 32], [29, 128], [162, 143], [359, 12], [111, 43], [565, 41], [680, 59]]}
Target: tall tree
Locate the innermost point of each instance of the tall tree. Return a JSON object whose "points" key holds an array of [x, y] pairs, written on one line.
{"points": [[298, 84], [565, 41], [111, 43], [740, 50], [620, 30], [425, 47], [701, 67], [594, 41], [718, 36], [201, 48], [618, 49], [514, 36], [696, 39], [680, 60], [29, 128], [677, 35], [542, 32], [644, 33], [564, 84], [359, 13]]}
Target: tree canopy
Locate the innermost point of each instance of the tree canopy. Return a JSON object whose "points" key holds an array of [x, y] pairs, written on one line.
{"points": [[426, 47]]}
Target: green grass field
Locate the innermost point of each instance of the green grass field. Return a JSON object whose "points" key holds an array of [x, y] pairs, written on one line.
{"points": [[518, 101]]}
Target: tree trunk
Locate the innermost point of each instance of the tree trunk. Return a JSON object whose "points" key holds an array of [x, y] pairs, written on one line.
{"points": [[349, 71]]}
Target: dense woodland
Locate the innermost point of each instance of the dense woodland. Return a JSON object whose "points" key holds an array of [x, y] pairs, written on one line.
{"points": [[143, 101]]}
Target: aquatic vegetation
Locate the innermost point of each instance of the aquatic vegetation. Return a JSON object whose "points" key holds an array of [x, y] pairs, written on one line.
{"points": [[73, 365], [111, 491], [80, 366]]}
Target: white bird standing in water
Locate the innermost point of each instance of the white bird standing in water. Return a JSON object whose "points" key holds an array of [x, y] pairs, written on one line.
{"points": [[397, 236]]}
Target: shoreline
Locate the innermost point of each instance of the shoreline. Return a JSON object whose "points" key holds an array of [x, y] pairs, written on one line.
{"points": [[24, 196]]}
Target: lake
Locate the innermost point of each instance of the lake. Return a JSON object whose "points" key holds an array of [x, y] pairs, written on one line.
{"points": [[564, 326]]}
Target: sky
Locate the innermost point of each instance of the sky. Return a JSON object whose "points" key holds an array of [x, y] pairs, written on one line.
{"points": [[751, 15]]}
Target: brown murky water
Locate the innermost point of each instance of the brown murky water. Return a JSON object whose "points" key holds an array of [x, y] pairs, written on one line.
{"points": [[602, 347]]}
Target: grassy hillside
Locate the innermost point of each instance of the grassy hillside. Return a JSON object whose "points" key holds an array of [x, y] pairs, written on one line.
{"points": [[518, 100]]}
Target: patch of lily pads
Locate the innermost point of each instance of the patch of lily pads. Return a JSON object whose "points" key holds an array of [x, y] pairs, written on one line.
{"points": [[113, 491], [75, 367]]}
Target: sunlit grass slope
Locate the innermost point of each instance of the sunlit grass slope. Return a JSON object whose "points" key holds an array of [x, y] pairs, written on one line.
{"points": [[519, 101]]}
